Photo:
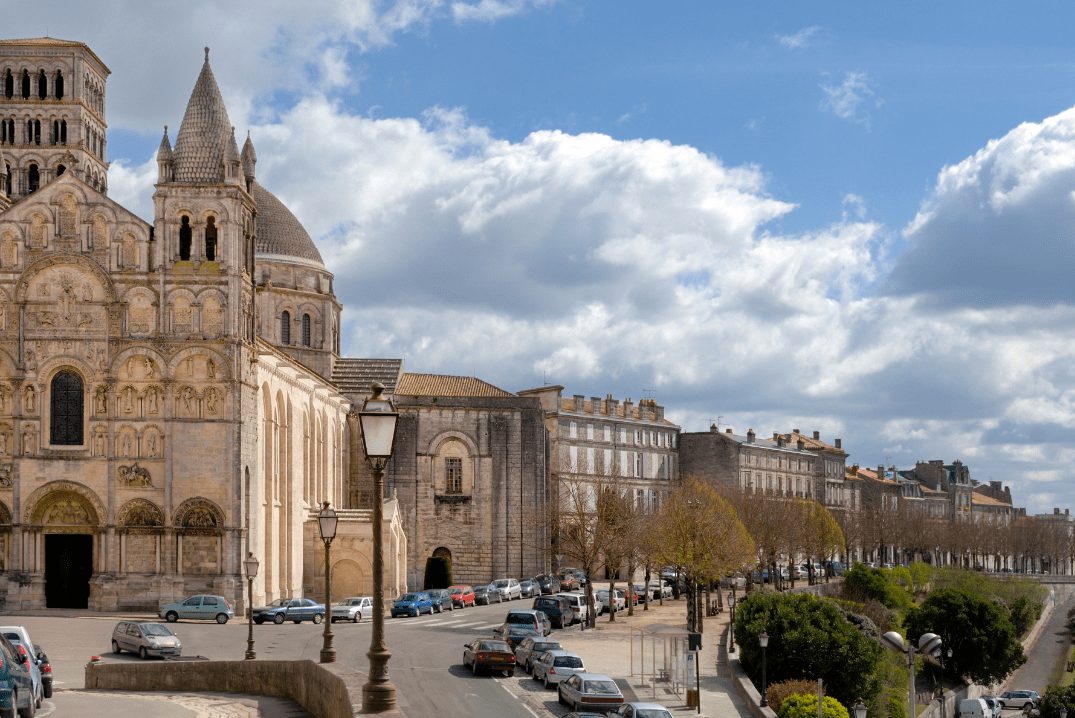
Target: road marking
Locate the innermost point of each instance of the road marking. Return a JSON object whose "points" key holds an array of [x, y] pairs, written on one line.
{"points": [[468, 625], [516, 697]]}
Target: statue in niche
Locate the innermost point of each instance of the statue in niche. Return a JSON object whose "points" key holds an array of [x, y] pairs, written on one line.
{"points": [[151, 444], [3, 400], [29, 443], [135, 476], [3, 317], [130, 252], [37, 231], [29, 399], [147, 365], [99, 444], [210, 400], [3, 443], [151, 400], [87, 292], [5, 476], [188, 399], [101, 400], [210, 369], [9, 253], [128, 400], [126, 447], [31, 359]]}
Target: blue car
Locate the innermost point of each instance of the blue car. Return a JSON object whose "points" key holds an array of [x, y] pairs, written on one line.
{"points": [[296, 610], [16, 683], [412, 604]]}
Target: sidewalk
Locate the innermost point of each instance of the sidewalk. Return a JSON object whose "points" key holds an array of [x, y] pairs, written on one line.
{"points": [[609, 649]]}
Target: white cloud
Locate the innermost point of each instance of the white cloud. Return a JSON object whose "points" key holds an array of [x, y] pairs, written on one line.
{"points": [[799, 40], [852, 98], [490, 10]]}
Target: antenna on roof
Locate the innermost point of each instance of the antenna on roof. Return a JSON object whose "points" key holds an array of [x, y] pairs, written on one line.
{"points": [[649, 393], [716, 422]]}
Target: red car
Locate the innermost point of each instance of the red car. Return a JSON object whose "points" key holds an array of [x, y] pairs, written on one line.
{"points": [[462, 596]]}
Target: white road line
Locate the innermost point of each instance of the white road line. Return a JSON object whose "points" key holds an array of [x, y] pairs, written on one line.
{"points": [[516, 697], [468, 625]]}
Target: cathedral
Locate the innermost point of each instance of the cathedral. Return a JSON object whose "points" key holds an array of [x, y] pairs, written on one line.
{"points": [[172, 395]]}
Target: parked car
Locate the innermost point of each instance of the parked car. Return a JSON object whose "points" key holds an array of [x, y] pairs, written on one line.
{"points": [[552, 667], [353, 609], [837, 568], [592, 690], [567, 582], [530, 617], [146, 638], [549, 584], [412, 604], [202, 607], [1018, 699], [487, 654], [602, 600], [509, 588], [578, 604], [585, 714], [513, 633], [558, 608], [529, 587], [661, 588], [442, 600], [641, 710], [994, 706], [486, 594], [462, 595], [46, 671], [16, 682], [530, 647], [290, 609], [19, 638]]}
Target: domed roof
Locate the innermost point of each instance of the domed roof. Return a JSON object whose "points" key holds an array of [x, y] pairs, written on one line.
{"points": [[278, 231]]}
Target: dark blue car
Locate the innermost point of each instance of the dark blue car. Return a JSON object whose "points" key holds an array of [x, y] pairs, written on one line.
{"points": [[412, 604], [16, 684]]}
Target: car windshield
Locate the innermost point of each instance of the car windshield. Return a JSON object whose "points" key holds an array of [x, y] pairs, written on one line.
{"points": [[527, 619], [567, 662], [456, 591], [546, 646], [154, 629], [280, 602], [493, 646], [351, 602], [603, 688], [500, 584], [546, 603], [517, 630], [652, 713], [409, 597]]}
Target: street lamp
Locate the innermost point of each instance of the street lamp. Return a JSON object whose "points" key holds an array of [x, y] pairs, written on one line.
{"points": [[1063, 712], [928, 644], [378, 419], [731, 626], [326, 523], [763, 641], [860, 709], [250, 563]]}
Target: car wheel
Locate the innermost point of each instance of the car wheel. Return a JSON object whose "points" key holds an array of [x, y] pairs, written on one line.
{"points": [[474, 668], [560, 697], [116, 649], [29, 711], [259, 621], [318, 618], [546, 681], [278, 619], [222, 618], [357, 617], [142, 653], [171, 617], [48, 689], [297, 622], [509, 673]]}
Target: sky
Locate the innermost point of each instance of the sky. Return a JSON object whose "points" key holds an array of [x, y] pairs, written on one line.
{"points": [[847, 217]]}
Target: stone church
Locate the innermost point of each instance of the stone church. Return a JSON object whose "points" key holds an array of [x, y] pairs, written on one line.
{"points": [[172, 394]]}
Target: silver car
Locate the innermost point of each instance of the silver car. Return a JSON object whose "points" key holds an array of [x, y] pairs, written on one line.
{"points": [[146, 639], [551, 667], [354, 609]]}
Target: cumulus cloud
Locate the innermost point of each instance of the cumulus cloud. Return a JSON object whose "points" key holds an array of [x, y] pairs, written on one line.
{"points": [[852, 98], [490, 10], [799, 40]]}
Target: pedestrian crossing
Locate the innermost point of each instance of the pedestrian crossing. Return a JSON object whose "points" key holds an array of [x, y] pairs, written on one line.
{"points": [[453, 623]]}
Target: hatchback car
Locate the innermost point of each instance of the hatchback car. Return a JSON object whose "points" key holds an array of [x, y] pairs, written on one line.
{"points": [[592, 690], [412, 604], [1018, 699], [619, 601], [462, 595], [552, 667], [641, 710], [513, 634], [557, 608], [994, 706], [549, 584], [486, 594], [488, 654], [529, 648], [16, 682], [20, 639], [202, 607], [532, 618], [295, 610], [352, 609], [442, 600], [529, 587], [508, 587], [146, 639]]}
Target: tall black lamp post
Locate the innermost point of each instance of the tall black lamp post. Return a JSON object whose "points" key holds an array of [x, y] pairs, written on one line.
{"points": [[731, 625], [763, 641], [250, 563], [326, 523], [378, 418]]}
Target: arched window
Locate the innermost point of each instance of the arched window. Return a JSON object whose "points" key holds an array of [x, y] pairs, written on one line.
{"points": [[9, 85], [60, 169], [42, 86], [306, 330], [285, 328], [184, 238], [65, 409], [25, 85], [210, 239], [37, 132], [6, 179], [3, 132], [57, 86], [33, 177], [63, 132]]}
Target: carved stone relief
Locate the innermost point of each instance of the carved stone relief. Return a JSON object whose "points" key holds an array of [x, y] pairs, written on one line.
{"points": [[9, 252], [5, 476], [130, 252], [37, 232], [135, 476], [68, 216]]}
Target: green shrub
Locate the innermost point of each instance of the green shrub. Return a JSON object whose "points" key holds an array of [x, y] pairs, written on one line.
{"points": [[778, 692], [805, 706]]}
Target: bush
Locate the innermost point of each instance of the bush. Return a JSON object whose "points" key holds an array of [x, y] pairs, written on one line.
{"points": [[805, 706], [1024, 612], [438, 572], [1054, 698], [892, 588], [778, 692]]}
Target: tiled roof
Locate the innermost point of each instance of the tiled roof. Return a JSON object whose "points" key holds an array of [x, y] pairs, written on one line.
{"points": [[762, 442], [983, 500], [445, 385], [250, 158], [811, 443], [354, 376], [279, 232], [205, 135], [53, 42]]}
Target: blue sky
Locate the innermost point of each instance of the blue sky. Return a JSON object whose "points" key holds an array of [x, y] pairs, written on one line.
{"points": [[845, 217]]}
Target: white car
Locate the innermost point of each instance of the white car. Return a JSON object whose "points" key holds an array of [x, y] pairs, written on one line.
{"points": [[579, 605], [509, 588], [19, 635], [602, 600], [551, 667], [356, 609]]}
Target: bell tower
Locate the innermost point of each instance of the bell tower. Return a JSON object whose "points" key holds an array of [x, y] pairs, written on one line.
{"points": [[52, 114]]}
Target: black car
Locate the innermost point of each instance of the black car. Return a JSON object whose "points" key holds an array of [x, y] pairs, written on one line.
{"points": [[549, 584], [46, 670], [529, 588], [442, 600], [514, 633], [557, 608]]}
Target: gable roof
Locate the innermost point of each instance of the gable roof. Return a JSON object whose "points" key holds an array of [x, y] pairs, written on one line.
{"points": [[354, 376], [45, 193], [446, 385]]}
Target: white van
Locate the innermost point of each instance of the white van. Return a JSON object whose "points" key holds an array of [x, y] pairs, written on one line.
{"points": [[578, 604], [974, 708]]}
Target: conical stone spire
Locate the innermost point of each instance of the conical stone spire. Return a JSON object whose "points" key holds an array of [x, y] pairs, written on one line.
{"points": [[205, 134], [164, 152], [250, 157]]}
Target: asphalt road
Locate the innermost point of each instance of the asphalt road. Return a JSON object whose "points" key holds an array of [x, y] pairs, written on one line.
{"points": [[1050, 649]]}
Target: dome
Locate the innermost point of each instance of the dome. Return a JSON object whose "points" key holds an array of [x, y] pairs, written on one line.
{"points": [[279, 233]]}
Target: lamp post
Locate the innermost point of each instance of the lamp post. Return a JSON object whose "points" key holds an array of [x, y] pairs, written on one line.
{"points": [[928, 643], [378, 419], [1063, 712], [326, 523], [731, 625], [250, 563], [763, 641], [860, 709]]}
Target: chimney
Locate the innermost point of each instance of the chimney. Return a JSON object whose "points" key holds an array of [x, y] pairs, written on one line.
{"points": [[595, 404], [1056, 511], [880, 471], [837, 442], [800, 444], [713, 428], [579, 401], [795, 431], [728, 430], [817, 435], [627, 406], [776, 435], [750, 436]]}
